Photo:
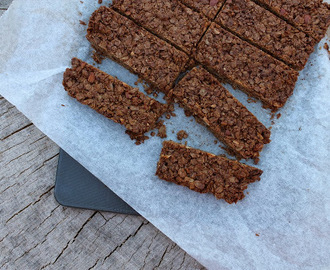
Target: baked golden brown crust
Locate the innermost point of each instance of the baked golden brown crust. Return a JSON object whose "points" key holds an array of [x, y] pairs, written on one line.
{"points": [[112, 98], [168, 19], [246, 67], [310, 16], [267, 31], [144, 54], [204, 172], [209, 8], [201, 93]]}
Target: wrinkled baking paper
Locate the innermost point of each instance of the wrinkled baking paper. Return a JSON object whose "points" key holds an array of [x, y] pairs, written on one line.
{"points": [[284, 221]]}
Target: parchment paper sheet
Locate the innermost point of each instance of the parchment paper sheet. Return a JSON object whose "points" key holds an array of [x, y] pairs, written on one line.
{"points": [[289, 208]]}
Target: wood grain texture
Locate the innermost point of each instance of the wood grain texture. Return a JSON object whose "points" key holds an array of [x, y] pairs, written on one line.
{"points": [[38, 233]]}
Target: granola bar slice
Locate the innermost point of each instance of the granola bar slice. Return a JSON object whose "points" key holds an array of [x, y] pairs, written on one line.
{"points": [[246, 67], [204, 172], [267, 31], [168, 19], [310, 16], [111, 97], [209, 8], [119, 38], [231, 122]]}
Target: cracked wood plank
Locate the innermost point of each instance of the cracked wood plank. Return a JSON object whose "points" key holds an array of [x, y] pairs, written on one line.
{"points": [[37, 233]]}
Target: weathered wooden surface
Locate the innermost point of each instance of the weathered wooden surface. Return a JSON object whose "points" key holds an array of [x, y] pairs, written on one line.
{"points": [[37, 233]]}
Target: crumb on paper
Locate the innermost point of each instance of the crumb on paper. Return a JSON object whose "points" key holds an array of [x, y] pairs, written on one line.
{"points": [[148, 90], [98, 57], [82, 22], [251, 100], [162, 132], [326, 46], [62, 105], [182, 135], [188, 113], [300, 129], [82, 2], [152, 134], [256, 160], [257, 234], [278, 116], [161, 129], [100, 2], [138, 138], [215, 141], [169, 113]]}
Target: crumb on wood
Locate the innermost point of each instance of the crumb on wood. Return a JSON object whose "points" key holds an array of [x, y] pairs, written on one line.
{"points": [[182, 135], [278, 116], [82, 22], [98, 57]]}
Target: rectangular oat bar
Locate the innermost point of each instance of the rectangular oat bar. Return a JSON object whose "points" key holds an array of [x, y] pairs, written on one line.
{"points": [[111, 97], [267, 31], [246, 67], [310, 16], [204, 172], [168, 19], [122, 40], [231, 122], [209, 8]]}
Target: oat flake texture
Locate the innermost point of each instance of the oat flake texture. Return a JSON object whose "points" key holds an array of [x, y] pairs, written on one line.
{"points": [[289, 208]]}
